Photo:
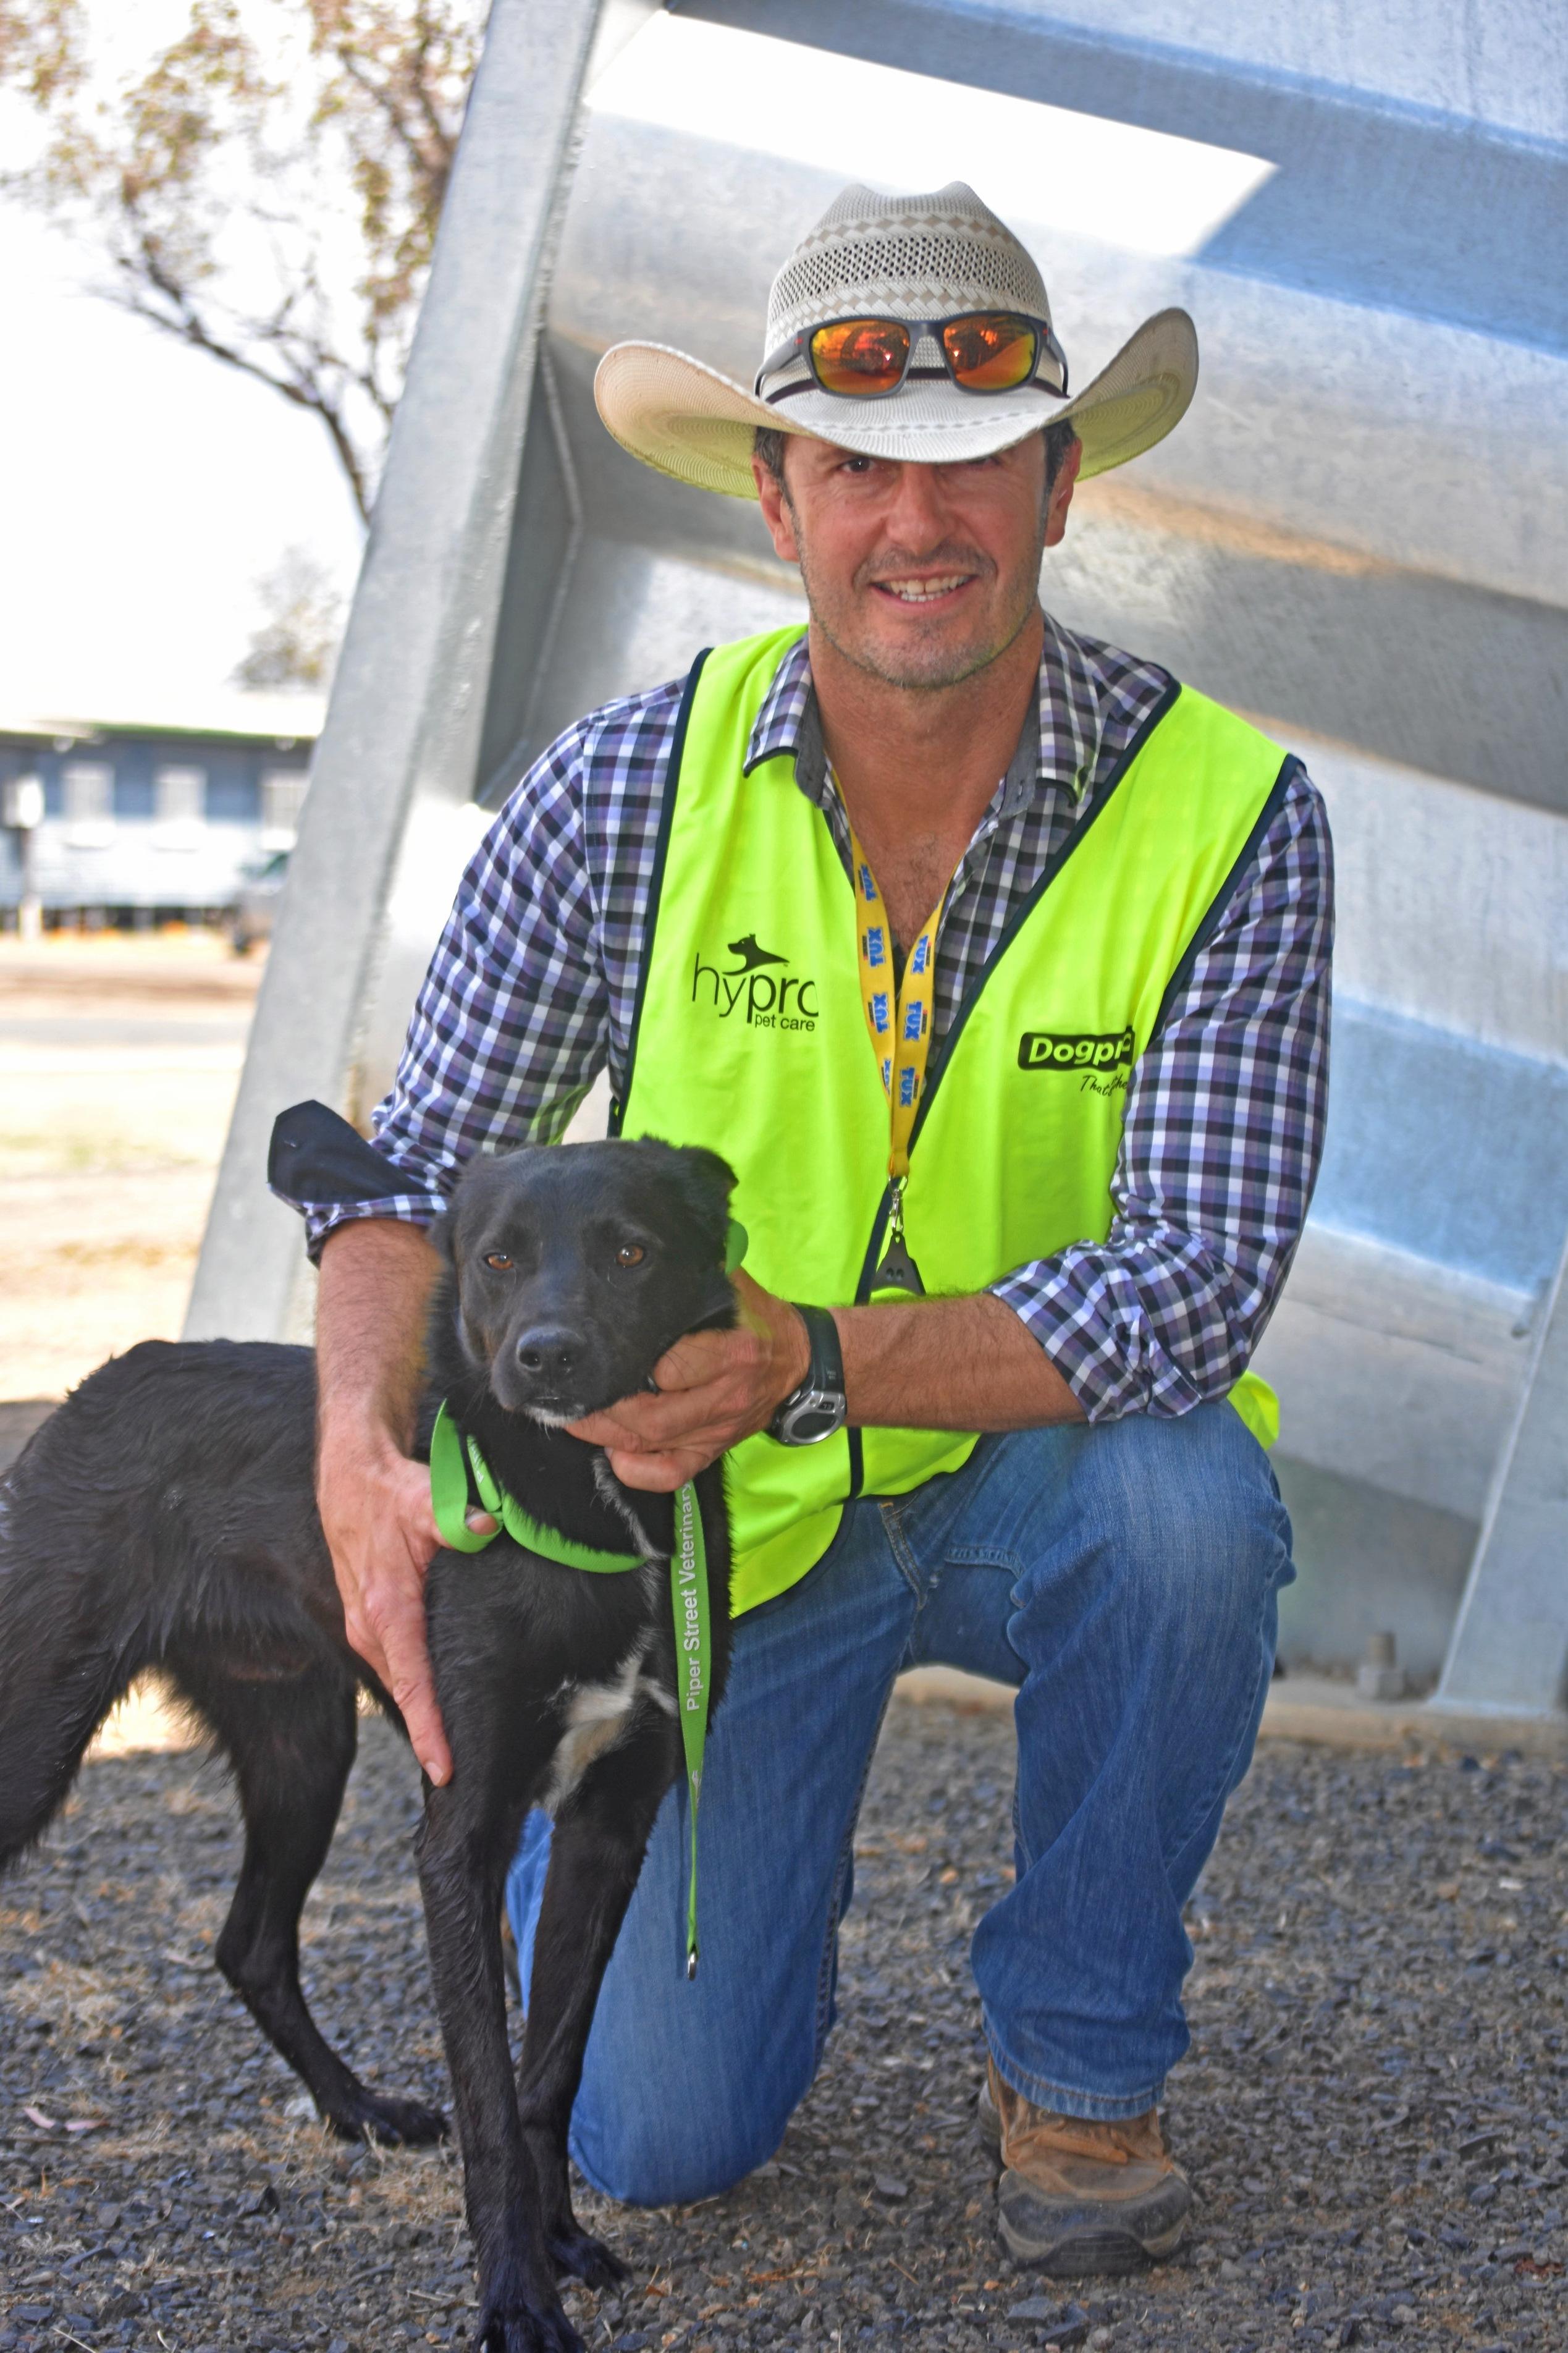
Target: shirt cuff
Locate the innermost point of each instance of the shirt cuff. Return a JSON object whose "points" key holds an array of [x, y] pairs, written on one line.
{"points": [[324, 1217], [1114, 1334]]}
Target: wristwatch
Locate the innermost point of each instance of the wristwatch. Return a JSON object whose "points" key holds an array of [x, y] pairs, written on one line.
{"points": [[818, 1408]]}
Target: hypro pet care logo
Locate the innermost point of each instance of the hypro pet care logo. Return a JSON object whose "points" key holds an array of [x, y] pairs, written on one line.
{"points": [[760, 988]]}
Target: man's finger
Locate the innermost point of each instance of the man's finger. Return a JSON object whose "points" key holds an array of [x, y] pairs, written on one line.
{"points": [[658, 1474], [643, 1424], [700, 1357], [607, 1429], [408, 1680], [364, 1643]]}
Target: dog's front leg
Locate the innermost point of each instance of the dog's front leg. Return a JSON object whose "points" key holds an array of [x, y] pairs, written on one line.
{"points": [[600, 1837], [462, 1867]]}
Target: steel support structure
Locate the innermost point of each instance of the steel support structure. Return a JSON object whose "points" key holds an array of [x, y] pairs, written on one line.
{"points": [[390, 814]]}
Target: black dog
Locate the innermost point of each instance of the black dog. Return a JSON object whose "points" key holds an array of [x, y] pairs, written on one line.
{"points": [[164, 1517]]}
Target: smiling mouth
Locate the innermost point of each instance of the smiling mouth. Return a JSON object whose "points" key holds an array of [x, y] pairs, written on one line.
{"points": [[924, 592]]}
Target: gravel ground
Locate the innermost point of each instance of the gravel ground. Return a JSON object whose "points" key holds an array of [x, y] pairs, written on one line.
{"points": [[1373, 2113]]}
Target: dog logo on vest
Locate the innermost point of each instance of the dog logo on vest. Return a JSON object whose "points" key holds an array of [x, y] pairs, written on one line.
{"points": [[770, 996], [754, 958], [1102, 1062]]}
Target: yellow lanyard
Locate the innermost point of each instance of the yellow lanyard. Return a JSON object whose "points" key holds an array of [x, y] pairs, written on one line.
{"points": [[898, 1023]]}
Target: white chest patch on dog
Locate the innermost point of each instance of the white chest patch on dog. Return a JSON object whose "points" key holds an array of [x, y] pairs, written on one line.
{"points": [[596, 1716]]}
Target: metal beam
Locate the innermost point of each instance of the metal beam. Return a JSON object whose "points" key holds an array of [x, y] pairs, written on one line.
{"points": [[1510, 1646], [390, 815]]}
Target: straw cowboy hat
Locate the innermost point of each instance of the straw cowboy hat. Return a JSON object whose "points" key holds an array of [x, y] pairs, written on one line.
{"points": [[945, 261]]}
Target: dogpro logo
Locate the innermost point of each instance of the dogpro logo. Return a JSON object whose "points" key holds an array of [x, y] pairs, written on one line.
{"points": [[1055, 1049], [771, 997]]}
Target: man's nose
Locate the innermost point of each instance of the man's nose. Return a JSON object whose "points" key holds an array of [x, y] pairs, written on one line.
{"points": [[549, 1350], [917, 518]]}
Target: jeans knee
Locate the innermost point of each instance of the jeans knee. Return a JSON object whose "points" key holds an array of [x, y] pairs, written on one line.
{"points": [[1178, 1522], [665, 2160]]}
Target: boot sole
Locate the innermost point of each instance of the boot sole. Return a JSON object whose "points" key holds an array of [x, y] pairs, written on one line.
{"points": [[1099, 2255], [1079, 2243]]}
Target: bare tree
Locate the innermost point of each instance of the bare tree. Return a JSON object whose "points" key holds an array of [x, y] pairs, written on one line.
{"points": [[266, 187], [297, 643]]}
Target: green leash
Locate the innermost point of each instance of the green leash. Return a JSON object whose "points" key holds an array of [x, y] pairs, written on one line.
{"points": [[694, 1653]]}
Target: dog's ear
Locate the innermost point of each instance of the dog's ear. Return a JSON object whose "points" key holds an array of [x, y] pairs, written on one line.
{"points": [[712, 1171], [443, 1236], [705, 1183]]}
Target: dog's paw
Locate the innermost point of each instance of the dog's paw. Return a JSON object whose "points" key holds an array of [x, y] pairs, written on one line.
{"points": [[578, 2256], [395, 2124], [527, 2329]]}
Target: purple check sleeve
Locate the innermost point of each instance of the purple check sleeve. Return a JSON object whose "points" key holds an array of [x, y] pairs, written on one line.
{"points": [[513, 1022], [1219, 1154]]}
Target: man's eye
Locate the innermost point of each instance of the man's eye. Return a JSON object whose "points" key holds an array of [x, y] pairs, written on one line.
{"points": [[630, 1254], [500, 1261]]}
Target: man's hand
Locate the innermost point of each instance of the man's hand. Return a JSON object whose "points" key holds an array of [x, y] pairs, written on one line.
{"points": [[714, 1388], [376, 1512], [374, 1502]]}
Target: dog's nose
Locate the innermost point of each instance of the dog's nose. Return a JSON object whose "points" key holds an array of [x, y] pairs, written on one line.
{"points": [[549, 1351]]}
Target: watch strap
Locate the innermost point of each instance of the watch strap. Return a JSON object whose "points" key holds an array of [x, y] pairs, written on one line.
{"points": [[826, 1370], [823, 1384]]}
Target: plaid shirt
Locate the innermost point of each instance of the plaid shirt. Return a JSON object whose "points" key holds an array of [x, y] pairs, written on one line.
{"points": [[530, 990]]}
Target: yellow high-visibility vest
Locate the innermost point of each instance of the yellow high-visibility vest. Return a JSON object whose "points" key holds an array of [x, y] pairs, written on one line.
{"points": [[750, 1037]]}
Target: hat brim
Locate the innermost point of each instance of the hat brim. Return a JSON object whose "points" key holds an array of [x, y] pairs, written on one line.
{"points": [[688, 421]]}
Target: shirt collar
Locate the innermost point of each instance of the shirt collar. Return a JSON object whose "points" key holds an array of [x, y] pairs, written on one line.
{"points": [[1059, 745]]}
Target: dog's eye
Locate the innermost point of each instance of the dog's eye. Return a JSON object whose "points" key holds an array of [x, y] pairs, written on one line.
{"points": [[630, 1254], [500, 1261]]}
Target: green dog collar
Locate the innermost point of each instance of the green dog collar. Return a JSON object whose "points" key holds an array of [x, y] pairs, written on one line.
{"points": [[452, 1498]]}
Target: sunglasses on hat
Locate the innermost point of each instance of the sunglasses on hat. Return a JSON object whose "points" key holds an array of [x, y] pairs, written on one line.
{"points": [[868, 358]]}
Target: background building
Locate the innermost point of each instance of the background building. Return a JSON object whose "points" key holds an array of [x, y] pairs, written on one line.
{"points": [[143, 822]]}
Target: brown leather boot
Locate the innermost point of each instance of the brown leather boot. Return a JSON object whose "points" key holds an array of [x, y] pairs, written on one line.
{"points": [[1079, 2197]]}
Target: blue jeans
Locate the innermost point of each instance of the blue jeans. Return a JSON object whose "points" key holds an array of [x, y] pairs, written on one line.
{"points": [[1125, 1579]]}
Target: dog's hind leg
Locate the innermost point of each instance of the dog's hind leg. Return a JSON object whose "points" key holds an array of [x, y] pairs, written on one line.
{"points": [[597, 1853], [292, 1744]]}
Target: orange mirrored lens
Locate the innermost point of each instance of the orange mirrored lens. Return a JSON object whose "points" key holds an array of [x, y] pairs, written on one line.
{"points": [[991, 351], [860, 355]]}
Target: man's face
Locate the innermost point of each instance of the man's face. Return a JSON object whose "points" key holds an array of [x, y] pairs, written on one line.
{"points": [[920, 574]]}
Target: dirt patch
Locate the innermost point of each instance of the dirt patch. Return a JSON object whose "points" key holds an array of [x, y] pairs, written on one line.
{"points": [[119, 1060]]}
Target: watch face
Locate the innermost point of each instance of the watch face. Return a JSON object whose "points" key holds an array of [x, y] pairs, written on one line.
{"points": [[815, 1416]]}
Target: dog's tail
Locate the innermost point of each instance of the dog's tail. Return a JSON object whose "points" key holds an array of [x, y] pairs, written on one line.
{"points": [[64, 1660]]}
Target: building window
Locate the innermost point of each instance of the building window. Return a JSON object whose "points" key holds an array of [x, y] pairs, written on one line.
{"points": [[282, 797], [232, 799], [88, 791], [178, 794]]}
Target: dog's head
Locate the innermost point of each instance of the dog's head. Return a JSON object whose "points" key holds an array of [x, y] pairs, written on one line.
{"points": [[577, 1265]]}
